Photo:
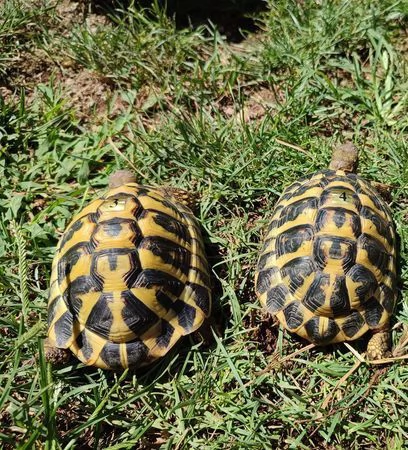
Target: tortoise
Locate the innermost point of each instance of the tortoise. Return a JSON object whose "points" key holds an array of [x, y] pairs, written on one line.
{"points": [[129, 278], [327, 268]]}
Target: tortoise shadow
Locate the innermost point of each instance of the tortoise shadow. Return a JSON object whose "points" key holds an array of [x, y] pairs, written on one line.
{"points": [[400, 262]]}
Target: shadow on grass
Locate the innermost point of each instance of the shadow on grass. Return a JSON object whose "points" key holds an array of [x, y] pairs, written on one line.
{"points": [[232, 18]]}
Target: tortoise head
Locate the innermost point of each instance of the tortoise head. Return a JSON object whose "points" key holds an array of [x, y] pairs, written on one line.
{"points": [[121, 177], [345, 157]]}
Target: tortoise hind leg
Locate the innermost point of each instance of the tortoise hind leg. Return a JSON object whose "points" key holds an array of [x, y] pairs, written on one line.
{"points": [[60, 327], [56, 355], [379, 345]]}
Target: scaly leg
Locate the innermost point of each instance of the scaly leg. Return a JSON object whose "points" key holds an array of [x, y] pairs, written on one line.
{"points": [[55, 355], [379, 345]]}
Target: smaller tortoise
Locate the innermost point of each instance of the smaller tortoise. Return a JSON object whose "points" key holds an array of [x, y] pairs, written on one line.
{"points": [[327, 266], [129, 278]]}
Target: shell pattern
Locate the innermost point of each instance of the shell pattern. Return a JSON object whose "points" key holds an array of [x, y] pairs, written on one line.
{"points": [[327, 266], [129, 278]]}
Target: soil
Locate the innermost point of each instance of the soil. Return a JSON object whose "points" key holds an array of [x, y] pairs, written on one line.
{"points": [[85, 92], [257, 104], [265, 333]]}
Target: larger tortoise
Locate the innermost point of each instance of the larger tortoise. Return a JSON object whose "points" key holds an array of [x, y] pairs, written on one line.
{"points": [[129, 278], [327, 266]]}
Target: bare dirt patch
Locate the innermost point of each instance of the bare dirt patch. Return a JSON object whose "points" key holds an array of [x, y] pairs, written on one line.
{"points": [[84, 91], [401, 42], [25, 71], [257, 104], [72, 13], [89, 95], [265, 331]]}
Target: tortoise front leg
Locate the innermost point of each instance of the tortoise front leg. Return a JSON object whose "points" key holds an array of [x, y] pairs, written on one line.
{"points": [[186, 198]]}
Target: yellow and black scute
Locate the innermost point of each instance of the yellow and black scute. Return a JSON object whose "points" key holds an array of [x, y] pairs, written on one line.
{"points": [[327, 266], [129, 278]]}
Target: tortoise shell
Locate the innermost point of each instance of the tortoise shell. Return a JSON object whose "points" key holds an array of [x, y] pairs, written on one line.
{"points": [[129, 278], [327, 266]]}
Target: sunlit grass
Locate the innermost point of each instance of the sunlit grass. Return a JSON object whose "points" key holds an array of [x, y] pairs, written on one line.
{"points": [[237, 124]]}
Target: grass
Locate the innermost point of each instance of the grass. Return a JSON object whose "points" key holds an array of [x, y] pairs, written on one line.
{"points": [[236, 122]]}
